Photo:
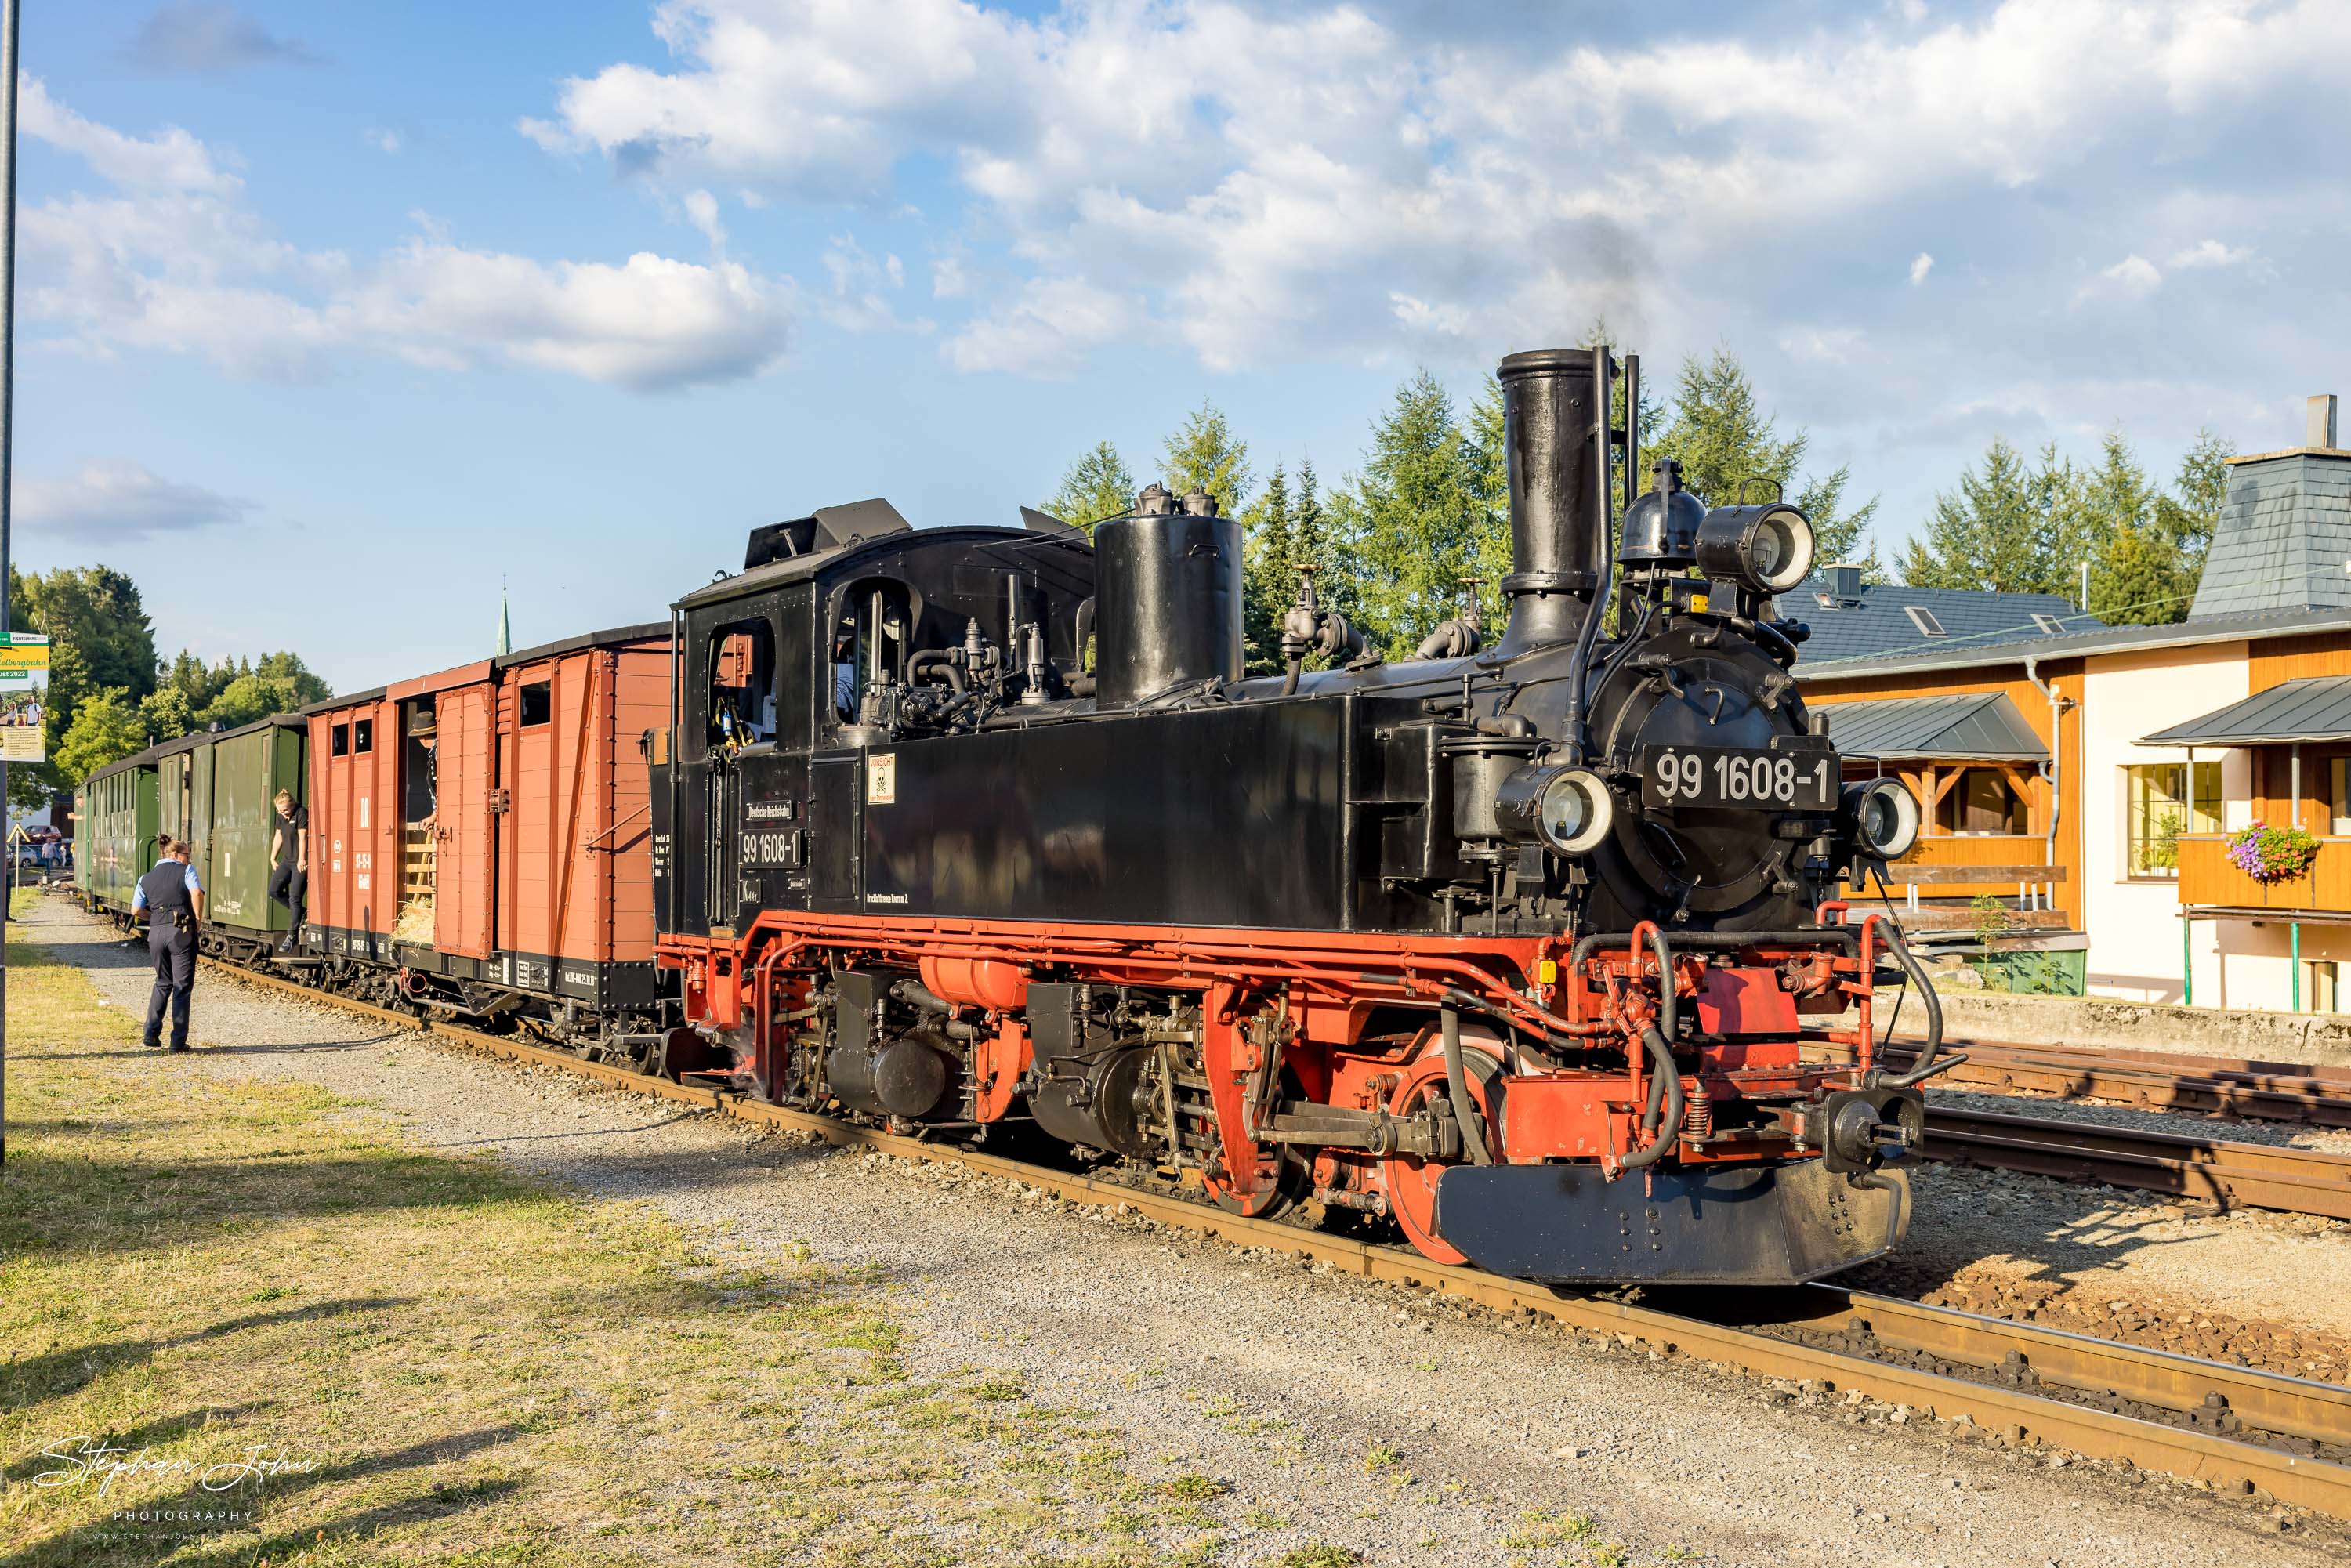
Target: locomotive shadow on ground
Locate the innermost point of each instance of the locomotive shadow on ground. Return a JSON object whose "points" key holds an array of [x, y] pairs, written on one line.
{"points": [[435, 1502], [2061, 1232], [63, 1372]]}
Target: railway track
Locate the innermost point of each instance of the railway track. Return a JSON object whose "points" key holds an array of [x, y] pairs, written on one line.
{"points": [[2237, 1430], [2232, 1174], [2151, 1079], [2229, 1172]]}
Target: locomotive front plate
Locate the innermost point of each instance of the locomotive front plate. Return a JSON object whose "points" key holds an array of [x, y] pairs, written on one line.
{"points": [[1739, 778]]}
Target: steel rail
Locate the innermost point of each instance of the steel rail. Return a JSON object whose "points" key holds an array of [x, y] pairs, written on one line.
{"points": [[2260, 1175], [2294, 1407], [2154, 1080]]}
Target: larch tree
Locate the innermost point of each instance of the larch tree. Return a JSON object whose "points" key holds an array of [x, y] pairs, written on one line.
{"points": [[1716, 428], [1205, 455], [1095, 486], [1410, 524]]}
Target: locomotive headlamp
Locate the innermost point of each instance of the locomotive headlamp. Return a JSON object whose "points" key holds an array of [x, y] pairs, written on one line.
{"points": [[1885, 817], [1567, 809], [1767, 547]]}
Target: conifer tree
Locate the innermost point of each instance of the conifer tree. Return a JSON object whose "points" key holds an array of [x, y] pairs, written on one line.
{"points": [[1205, 455], [1490, 555], [1410, 523], [1996, 530], [1269, 578], [2152, 555], [1095, 486], [1718, 433]]}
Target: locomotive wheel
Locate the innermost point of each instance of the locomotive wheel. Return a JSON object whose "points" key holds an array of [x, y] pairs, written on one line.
{"points": [[1410, 1181], [1276, 1196]]}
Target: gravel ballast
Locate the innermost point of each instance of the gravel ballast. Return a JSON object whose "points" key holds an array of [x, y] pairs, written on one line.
{"points": [[1389, 1422]]}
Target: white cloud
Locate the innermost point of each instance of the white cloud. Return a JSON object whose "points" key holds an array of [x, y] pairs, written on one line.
{"points": [[702, 211], [1320, 177], [862, 286], [1919, 268], [1047, 331], [2133, 274], [113, 500], [173, 262], [649, 324], [948, 280], [383, 140], [1829, 345], [171, 160], [2212, 253]]}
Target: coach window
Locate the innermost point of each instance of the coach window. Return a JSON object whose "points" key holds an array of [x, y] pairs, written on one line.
{"points": [[362, 736], [341, 741], [537, 704], [743, 683]]}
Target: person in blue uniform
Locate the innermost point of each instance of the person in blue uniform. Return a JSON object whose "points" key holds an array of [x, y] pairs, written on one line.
{"points": [[173, 900], [844, 670]]}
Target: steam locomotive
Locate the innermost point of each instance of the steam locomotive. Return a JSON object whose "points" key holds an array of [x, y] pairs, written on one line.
{"points": [[1515, 946], [970, 829]]}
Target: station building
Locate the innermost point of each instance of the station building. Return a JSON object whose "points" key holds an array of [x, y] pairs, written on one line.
{"points": [[2085, 778]]}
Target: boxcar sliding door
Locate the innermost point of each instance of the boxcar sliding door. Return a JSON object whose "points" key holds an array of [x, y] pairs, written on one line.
{"points": [[465, 778]]}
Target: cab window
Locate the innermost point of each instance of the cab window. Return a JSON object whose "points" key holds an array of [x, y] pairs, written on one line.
{"points": [[871, 639], [743, 684]]}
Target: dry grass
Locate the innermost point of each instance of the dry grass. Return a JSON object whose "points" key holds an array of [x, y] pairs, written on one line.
{"points": [[470, 1368]]}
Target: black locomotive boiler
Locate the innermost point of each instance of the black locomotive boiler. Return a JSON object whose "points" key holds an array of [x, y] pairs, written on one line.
{"points": [[1518, 946]]}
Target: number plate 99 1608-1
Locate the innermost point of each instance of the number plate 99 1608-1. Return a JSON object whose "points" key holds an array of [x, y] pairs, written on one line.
{"points": [[1710, 776]]}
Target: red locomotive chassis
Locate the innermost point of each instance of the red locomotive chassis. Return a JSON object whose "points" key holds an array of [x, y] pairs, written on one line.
{"points": [[484, 828], [1293, 1025]]}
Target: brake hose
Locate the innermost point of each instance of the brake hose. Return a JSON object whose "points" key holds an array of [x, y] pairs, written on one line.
{"points": [[1930, 1058], [1456, 1086], [1664, 1075]]}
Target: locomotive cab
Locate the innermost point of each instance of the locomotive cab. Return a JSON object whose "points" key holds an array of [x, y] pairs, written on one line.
{"points": [[789, 670]]}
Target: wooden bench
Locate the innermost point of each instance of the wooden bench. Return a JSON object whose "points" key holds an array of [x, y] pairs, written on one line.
{"points": [[1912, 917], [2036, 887], [1902, 871]]}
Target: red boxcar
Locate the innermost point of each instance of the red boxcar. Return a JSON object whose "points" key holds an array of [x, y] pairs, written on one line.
{"points": [[486, 828]]}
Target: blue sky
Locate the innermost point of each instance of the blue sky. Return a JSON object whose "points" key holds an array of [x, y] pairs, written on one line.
{"points": [[333, 316]]}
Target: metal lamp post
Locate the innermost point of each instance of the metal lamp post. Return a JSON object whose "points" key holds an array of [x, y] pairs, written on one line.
{"points": [[7, 391]]}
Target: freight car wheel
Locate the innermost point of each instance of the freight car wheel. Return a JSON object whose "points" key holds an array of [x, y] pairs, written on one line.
{"points": [[1412, 1181]]}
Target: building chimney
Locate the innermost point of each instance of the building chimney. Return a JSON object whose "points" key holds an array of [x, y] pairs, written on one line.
{"points": [[2322, 423]]}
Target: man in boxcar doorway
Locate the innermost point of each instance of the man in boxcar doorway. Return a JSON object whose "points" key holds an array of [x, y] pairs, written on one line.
{"points": [[289, 848], [173, 900]]}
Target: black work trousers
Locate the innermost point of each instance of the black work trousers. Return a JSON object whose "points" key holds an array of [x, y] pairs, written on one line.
{"points": [[174, 952], [287, 884]]}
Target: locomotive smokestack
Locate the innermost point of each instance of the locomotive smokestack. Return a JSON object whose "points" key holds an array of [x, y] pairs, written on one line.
{"points": [[1554, 427]]}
